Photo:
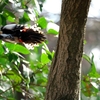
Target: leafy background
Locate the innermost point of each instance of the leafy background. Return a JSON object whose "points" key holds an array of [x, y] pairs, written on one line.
{"points": [[35, 63]]}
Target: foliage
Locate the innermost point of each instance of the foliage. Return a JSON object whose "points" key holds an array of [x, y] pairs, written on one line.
{"points": [[90, 84], [34, 78], [35, 62]]}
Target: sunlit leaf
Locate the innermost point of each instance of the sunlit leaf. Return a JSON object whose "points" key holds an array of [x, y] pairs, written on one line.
{"points": [[17, 48], [44, 58], [13, 76], [85, 41], [42, 22], [52, 31], [52, 28], [10, 19], [93, 72]]}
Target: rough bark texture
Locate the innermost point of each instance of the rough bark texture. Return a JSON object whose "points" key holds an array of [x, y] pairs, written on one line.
{"points": [[64, 77]]}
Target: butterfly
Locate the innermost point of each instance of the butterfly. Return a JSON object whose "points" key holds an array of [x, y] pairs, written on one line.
{"points": [[22, 34]]}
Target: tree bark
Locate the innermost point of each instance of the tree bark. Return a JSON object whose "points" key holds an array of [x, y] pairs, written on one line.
{"points": [[64, 76]]}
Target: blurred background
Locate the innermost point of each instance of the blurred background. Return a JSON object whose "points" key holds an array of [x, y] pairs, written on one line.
{"points": [[18, 12]]}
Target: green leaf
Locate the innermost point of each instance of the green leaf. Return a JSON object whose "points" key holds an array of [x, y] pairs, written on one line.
{"points": [[41, 89], [41, 80], [0, 20], [1, 48], [44, 58], [42, 22], [85, 41], [18, 88], [98, 97], [3, 3], [3, 19], [46, 50], [24, 19], [3, 61], [11, 19], [52, 28], [14, 76], [93, 72], [87, 88], [50, 54], [17, 48], [10, 98], [52, 31], [87, 58], [12, 57], [9, 13]]}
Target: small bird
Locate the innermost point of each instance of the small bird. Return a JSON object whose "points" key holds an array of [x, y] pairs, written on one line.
{"points": [[22, 34]]}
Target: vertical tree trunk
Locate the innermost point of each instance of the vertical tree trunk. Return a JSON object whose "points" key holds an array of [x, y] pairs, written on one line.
{"points": [[64, 76]]}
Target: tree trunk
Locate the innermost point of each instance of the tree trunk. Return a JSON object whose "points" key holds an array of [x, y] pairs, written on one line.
{"points": [[64, 76]]}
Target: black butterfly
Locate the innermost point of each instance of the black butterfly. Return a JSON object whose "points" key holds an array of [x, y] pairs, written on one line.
{"points": [[20, 33]]}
